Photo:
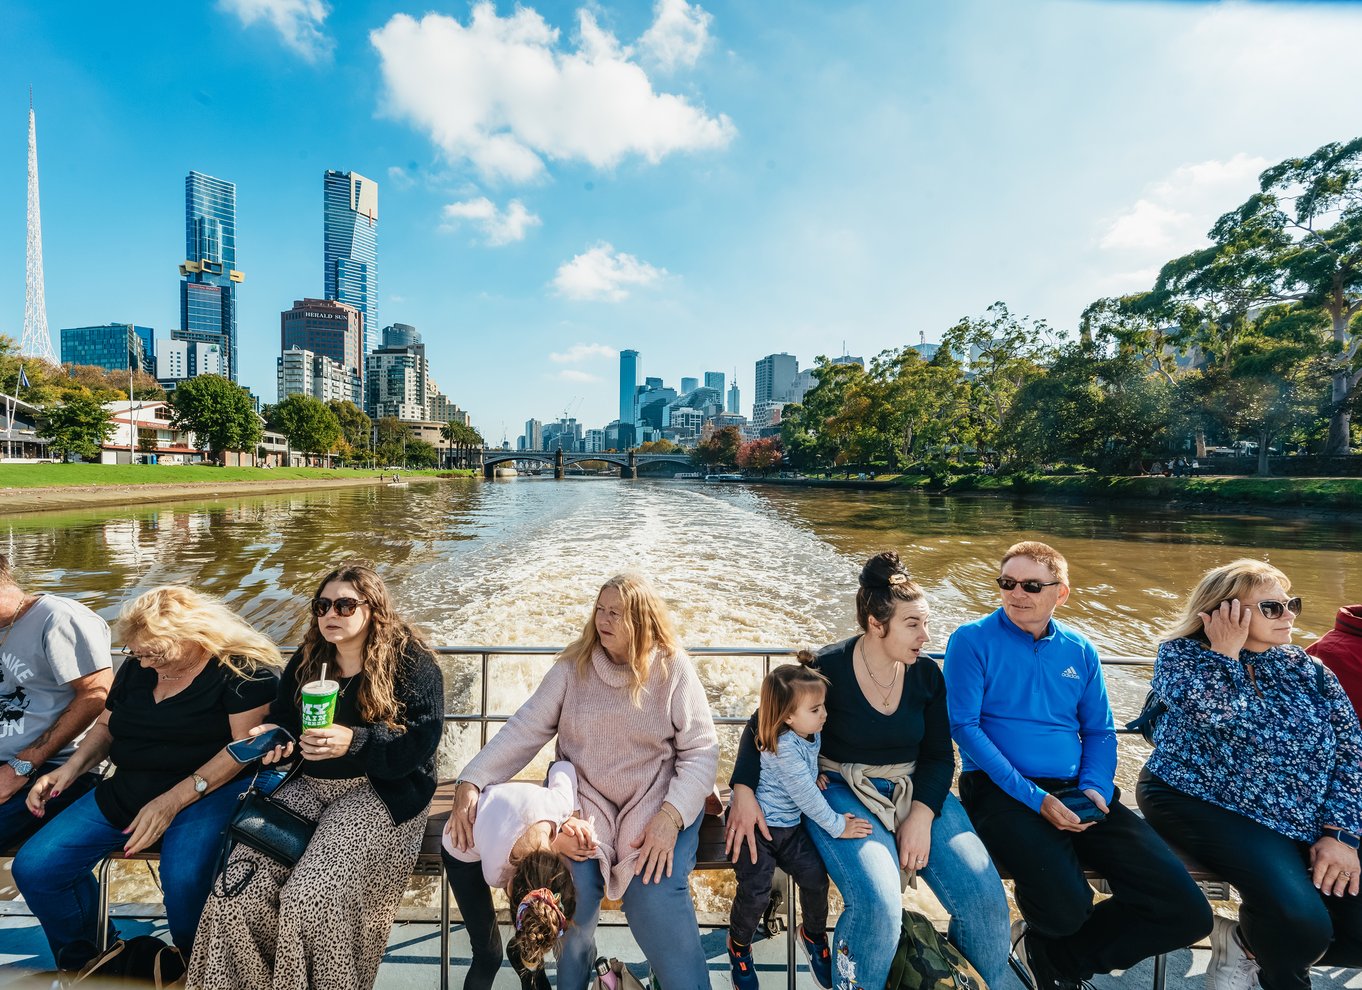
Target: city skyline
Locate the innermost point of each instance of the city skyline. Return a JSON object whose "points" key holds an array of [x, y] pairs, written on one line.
{"points": [[755, 206]]}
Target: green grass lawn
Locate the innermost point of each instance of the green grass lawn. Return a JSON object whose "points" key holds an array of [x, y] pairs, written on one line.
{"points": [[66, 475]]}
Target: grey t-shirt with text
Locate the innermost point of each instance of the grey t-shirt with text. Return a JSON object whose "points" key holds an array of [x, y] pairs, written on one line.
{"points": [[55, 642]]}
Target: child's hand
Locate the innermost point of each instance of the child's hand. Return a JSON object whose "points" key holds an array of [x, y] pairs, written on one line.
{"points": [[857, 828], [822, 781]]}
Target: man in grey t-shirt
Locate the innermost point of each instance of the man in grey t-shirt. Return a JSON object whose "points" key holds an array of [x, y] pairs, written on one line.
{"points": [[55, 674]]}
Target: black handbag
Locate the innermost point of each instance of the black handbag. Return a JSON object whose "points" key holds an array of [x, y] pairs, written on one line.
{"points": [[266, 826], [144, 959]]}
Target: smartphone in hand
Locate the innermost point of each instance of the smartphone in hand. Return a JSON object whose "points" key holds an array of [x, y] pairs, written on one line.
{"points": [[1080, 804], [253, 747]]}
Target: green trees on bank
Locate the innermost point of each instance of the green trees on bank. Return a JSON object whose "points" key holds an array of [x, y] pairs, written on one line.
{"points": [[1256, 337], [218, 412]]}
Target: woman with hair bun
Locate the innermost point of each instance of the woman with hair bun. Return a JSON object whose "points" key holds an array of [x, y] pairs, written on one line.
{"points": [[196, 677], [887, 756]]}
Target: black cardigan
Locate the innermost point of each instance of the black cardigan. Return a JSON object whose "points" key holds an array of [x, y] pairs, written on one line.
{"points": [[399, 764], [919, 730]]}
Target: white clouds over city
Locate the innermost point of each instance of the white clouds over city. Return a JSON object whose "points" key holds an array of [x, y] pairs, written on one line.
{"points": [[604, 274], [578, 353], [298, 22], [1173, 215], [508, 95], [498, 227], [678, 36]]}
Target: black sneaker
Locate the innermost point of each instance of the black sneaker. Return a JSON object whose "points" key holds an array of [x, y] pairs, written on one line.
{"points": [[1029, 949]]}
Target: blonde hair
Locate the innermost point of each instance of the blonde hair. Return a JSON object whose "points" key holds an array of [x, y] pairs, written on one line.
{"points": [[1233, 580], [647, 626], [781, 693], [172, 614], [388, 638], [1041, 553]]}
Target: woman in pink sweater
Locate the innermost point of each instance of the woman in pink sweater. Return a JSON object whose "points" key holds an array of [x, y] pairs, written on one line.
{"points": [[632, 718]]}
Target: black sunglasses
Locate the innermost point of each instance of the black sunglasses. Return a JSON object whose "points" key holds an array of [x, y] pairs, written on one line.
{"points": [[1030, 587], [345, 607], [1274, 610]]}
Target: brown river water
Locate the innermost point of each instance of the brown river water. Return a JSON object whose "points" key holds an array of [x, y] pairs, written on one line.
{"points": [[517, 562]]}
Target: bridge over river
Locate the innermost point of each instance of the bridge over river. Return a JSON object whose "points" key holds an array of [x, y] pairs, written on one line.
{"points": [[627, 461]]}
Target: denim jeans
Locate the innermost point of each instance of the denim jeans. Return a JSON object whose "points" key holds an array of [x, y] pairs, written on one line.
{"points": [[17, 823], [661, 918], [866, 871], [53, 869]]}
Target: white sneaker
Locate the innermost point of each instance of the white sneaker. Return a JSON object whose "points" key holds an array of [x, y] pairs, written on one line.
{"points": [[1231, 966]]}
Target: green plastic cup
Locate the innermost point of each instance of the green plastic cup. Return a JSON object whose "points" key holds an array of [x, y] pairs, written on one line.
{"points": [[319, 703]]}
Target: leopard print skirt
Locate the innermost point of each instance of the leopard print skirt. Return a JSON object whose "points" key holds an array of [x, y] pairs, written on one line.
{"points": [[324, 924]]}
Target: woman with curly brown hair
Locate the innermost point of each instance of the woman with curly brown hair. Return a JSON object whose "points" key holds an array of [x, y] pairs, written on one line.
{"points": [[366, 780]]}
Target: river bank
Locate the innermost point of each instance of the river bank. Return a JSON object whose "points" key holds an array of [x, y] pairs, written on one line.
{"points": [[1326, 495], [43, 487]]}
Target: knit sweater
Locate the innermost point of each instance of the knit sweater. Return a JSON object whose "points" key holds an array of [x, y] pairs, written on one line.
{"points": [[400, 763], [629, 759], [1341, 650]]}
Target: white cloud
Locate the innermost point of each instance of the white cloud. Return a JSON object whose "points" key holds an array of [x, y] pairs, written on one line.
{"points": [[505, 94], [603, 273], [498, 227], [299, 22], [1174, 214], [679, 34], [584, 352]]}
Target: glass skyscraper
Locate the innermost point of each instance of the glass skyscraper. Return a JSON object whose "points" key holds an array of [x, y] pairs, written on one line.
{"points": [[115, 346], [629, 370], [208, 275], [350, 246]]}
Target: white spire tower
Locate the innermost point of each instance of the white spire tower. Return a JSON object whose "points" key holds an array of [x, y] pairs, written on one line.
{"points": [[37, 340]]}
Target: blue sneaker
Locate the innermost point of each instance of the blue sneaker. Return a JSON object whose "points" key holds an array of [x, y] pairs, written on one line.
{"points": [[740, 967], [820, 959]]}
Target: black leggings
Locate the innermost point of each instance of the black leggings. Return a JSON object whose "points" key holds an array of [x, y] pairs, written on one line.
{"points": [[1287, 923], [474, 899]]}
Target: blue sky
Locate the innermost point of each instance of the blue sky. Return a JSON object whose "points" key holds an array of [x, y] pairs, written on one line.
{"points": [[704, 182]]}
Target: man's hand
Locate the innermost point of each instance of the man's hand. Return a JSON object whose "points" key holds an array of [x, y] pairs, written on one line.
{"points": [[11, 783], [1053, 811]]}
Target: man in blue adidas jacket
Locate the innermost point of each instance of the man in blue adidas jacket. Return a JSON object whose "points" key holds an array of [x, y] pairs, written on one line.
{"points": [[1029, 711]]}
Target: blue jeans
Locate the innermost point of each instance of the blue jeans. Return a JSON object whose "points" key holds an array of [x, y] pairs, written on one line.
{"points": [[53, 869], [866, 871], [661, 918], [18, 823]]}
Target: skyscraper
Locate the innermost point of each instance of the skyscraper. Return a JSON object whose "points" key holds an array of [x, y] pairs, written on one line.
{"points": [[715, 380], [689, 385], [734, 405], [775, 377], [629, 370], [350, 246], [115, 346], [208, 275]]}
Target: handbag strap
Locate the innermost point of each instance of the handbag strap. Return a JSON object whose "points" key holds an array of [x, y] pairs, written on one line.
{"points": [[225, 852]]}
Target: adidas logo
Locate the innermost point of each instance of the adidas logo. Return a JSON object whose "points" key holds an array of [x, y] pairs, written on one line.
{"points": [[1071, 673]]}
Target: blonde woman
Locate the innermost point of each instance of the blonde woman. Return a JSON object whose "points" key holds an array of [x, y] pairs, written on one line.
{"points": [[1257, 774], [631, 717], [366, 780], [196, 677]]}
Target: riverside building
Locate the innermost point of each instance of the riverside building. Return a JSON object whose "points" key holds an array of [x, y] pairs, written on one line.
{"points": [[208, 275], [350, 247], [114, 346], [329, 329]]}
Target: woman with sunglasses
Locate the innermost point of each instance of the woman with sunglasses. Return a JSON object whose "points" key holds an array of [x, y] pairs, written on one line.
{"points": [[195, 677], [1257, 775], [366, 780]]}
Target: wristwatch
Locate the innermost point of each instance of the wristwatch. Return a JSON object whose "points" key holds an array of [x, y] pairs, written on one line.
{"points": [[1349, 839], [200, 785], [22, 767]]}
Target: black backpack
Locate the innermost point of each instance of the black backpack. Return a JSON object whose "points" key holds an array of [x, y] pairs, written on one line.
{"points": [[1154, 707]]}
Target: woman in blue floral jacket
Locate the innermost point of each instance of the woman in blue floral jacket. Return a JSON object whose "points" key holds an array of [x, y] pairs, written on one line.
{"points": [[1257, 774]]}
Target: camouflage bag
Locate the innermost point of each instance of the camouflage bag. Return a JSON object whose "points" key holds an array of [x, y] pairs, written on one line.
{"points": [[926, 961]]}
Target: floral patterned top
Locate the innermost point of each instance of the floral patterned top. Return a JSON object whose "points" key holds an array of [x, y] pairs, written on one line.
{"points": [[1268, 746]]}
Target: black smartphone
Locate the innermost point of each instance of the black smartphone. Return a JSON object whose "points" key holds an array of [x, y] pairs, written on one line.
{"points": [[1080, 804], [254, 747]]}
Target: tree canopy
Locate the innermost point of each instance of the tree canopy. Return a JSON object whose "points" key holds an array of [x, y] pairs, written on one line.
{"points": [[218, 412]]}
